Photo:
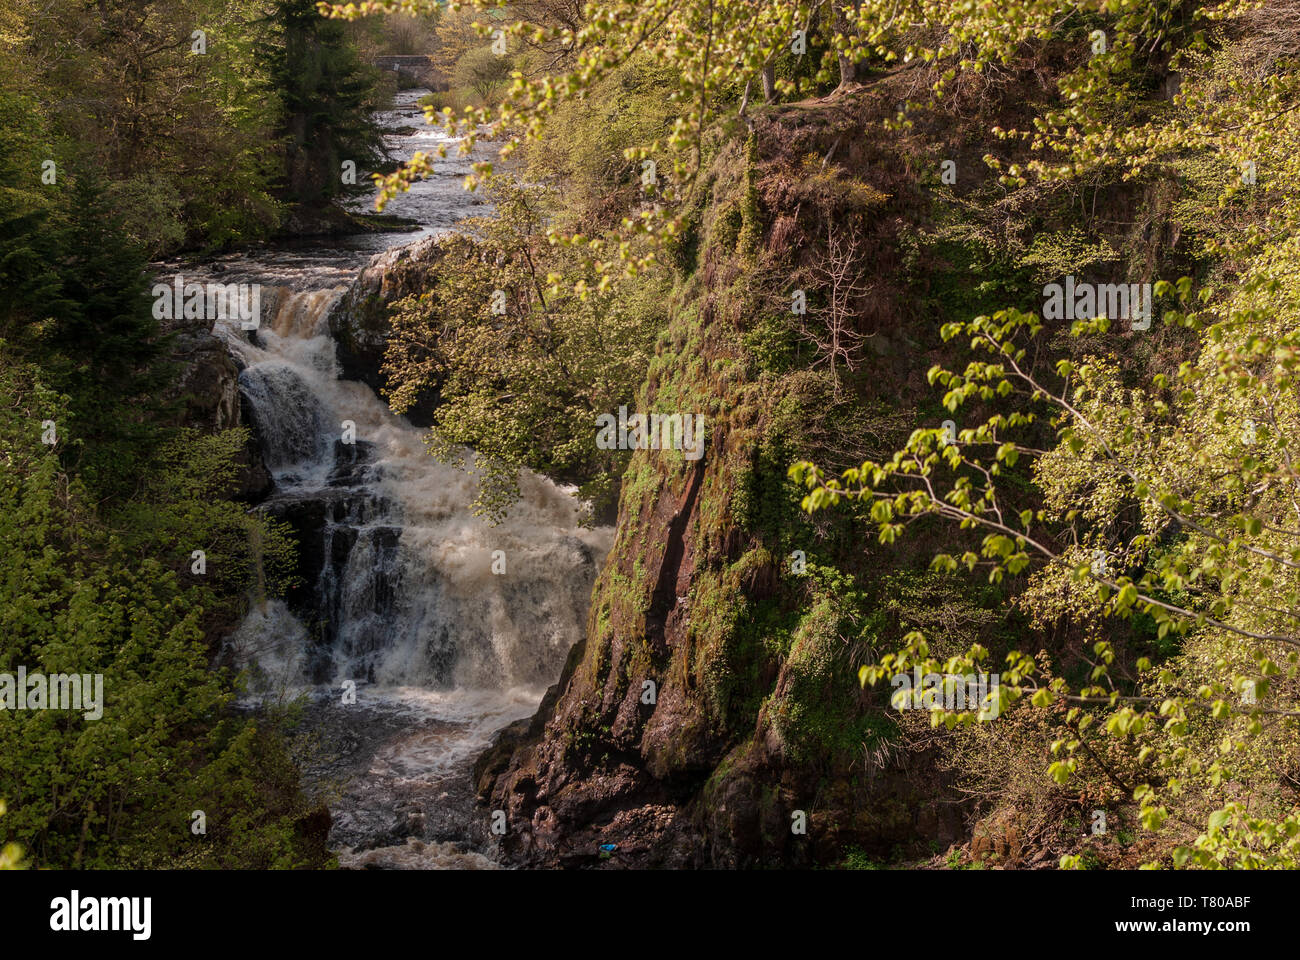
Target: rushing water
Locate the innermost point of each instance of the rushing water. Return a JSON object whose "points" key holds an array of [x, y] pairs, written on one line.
{"points": [[403, 599]]}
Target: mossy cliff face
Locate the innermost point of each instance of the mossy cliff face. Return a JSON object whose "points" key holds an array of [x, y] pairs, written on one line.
{"points": [[714, 703]]}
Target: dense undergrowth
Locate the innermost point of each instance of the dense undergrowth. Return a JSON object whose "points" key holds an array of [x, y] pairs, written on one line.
{"points": [[825, 261]]}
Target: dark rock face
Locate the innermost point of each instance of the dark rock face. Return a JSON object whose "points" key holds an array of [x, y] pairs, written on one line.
{"points": [[207, 387], [255, 482], [359, 321], [306, 517], [327, 525], [207, 379], [313, 830]]}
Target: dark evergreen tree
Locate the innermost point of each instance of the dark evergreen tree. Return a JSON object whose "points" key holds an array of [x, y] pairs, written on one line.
{"points": [[107, 353], [74, 300], [327, 95]]}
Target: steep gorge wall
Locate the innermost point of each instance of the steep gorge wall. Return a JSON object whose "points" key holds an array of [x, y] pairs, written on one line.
{"points": [[757, 715]]}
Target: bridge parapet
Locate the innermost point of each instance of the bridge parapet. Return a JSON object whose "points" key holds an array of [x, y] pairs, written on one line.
{"points": [[418, 68]]}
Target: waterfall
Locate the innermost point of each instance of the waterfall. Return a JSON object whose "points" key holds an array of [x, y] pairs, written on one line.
{"points": [[399, 594], [404, 593]]}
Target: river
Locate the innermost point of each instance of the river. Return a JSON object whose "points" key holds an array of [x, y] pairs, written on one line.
{"points": [[403, 604]]}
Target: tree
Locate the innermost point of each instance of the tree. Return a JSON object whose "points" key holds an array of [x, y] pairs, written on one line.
{"points": [[521, 372], [483, 71], [11, 855], [327, 95], [1170, 503], [835, 336], [75, 299], [124, 85], [457, 36], [845, 15], [115, 784]]}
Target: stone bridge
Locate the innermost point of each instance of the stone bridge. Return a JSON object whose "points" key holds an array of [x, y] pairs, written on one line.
{"points": [[416, 68]]}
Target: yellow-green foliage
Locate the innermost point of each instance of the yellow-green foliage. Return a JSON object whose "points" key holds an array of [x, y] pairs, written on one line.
{"points": [[79, 596], [1153, 503], [523, 365], [1170, 501], [582, 152]]}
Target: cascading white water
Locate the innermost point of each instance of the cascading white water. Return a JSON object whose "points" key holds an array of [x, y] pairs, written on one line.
{"points": [[408, 591], [403, 599]]}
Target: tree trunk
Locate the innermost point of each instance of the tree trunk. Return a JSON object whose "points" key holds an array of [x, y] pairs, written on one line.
{"points": [[848, 69], [769, 83]]}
